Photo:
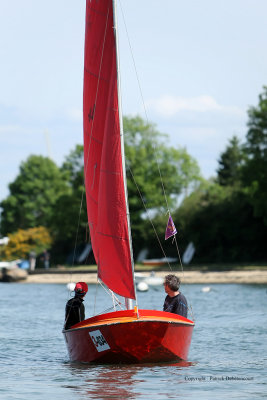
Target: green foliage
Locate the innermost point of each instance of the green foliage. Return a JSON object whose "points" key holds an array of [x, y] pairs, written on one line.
{"points": [[43, 194], [69, 224], [255, 170], [22, 242], [72, 168], [33, 194], [230, 163], [150, 158], [147, 152], [177, 168], [257, 133], [226, 219], [228, 222], [220, 222]]}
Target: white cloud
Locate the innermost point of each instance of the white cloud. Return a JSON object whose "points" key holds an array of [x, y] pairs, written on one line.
{"points": [[169, 105]]}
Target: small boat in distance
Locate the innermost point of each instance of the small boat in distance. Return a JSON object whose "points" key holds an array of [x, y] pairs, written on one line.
{"points": [[160, 261], [11, 272], [150, 279], [133, 335]]}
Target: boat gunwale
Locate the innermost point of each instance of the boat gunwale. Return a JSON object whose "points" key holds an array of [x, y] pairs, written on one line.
{"points": [[135, 313], [130, 320]]}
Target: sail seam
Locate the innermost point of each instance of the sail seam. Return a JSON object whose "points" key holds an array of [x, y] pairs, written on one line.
{"points": [[112, 236], [96, 11], [92, 198], [98, 76], [93, 138], [96, 95], [92, 125]]}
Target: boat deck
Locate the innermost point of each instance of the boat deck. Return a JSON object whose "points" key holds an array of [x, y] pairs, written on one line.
{"points": [[128, 316]]}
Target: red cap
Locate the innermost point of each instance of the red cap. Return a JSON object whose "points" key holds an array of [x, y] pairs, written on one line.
{"points": [[81, 288]]}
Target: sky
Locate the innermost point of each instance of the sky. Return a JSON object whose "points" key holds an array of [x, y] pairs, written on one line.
{"points": [[200, 66]]}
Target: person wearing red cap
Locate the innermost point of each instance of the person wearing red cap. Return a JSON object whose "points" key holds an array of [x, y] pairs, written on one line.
{"points": [[75, 311]]}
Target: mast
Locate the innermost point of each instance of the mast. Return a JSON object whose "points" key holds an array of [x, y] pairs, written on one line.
{"points": [[105, 180], [128, 302]]}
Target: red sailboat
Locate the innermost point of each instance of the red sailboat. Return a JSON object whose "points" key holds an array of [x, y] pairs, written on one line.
{"points": [[132, 335]]}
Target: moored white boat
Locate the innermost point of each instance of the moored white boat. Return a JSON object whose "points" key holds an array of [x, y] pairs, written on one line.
{"points": [[151, 279]]}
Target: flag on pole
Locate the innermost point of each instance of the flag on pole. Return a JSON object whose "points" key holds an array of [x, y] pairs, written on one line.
{"points": [[170, 229]]}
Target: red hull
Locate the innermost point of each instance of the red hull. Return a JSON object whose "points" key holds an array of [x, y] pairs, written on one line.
{"points": [[122, 337]]}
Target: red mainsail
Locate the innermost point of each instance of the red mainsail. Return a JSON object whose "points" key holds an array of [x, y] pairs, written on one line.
{"points": [[103, 168]]}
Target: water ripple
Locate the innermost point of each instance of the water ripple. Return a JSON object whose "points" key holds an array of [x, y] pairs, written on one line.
{"points": [[227, 357]]}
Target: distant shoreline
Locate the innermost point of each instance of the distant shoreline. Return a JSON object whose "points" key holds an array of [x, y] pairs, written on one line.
{"points": [[187, 277]]}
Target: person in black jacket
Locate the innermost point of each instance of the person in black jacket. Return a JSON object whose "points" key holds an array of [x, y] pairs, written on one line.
{"points": [[75, 311], [175, 302]]}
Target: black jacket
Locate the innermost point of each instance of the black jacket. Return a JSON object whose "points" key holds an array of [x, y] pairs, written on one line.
{"points": [[176, 305], [74, 312]]}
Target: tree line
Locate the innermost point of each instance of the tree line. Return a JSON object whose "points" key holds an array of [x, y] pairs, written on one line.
{"points": [[225, 217]]}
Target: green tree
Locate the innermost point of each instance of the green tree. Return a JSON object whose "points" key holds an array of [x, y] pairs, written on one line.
{"points": [[142, 142], [228, 221], [69, 223], [151, 162], [230, 162], [72, 168], [43, 194], [255, 170], [32, 195], [219, 221]]}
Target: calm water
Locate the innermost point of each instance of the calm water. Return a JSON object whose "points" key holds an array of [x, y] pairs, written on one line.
{"points": [[228, 353]]}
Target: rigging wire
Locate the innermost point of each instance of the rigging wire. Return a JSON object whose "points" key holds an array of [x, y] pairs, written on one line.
{"points": [[144, 106], [96, 287], [147, 212], [110, 293], [157, 161], [154, 146]]}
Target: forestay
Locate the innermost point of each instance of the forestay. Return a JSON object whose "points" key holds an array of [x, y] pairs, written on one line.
{"points": [[104, 177]]}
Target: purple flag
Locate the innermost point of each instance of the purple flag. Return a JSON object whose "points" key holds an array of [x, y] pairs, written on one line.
{"points": [[170, 229]]}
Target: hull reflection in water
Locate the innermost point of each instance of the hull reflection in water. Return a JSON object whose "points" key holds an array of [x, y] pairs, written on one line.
{"points": [[124, 337], [117, 381]]}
